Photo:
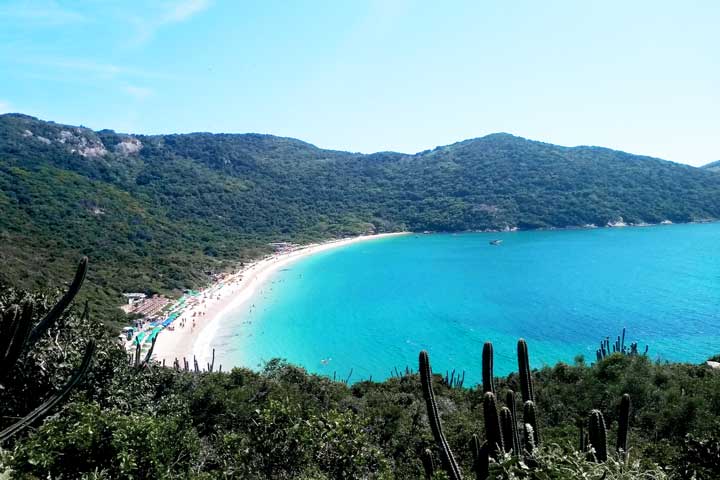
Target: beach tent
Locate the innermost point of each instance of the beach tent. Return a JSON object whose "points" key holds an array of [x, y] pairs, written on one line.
{"points": [[170, 319]]}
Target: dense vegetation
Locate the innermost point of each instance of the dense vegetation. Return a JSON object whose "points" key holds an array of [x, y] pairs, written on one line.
{"points": [[150, 422], [158, 213], [713, 166]]}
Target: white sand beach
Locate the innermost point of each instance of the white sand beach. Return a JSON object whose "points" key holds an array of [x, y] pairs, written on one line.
{"points": [[193, 332]]}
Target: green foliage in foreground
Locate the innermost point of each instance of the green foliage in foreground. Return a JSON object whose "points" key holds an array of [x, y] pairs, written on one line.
{"points": [[163, 217], [283, 423]]}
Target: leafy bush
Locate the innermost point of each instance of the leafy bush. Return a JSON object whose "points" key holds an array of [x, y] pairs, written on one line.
{"points": [[553, 462], [86, 438]]}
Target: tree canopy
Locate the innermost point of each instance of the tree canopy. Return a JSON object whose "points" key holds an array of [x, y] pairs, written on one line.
{"points": [[158, 213]]}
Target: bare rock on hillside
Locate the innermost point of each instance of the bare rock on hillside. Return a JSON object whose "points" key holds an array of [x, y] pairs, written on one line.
{"points": [[129, 146]]}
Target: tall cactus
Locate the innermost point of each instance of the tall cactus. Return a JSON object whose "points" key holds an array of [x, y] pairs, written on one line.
{"points": [[526, 385], [16, 330], [55, 313], [481, 459], [618, 346], [493, 432], [530, 417], [17, 334], [598, 435], [45, 408], [623, 424], [15, 325], [428, 464], [508, 429], [501, 425], [487, 368], [448, 460], [140, 365], [529, 435], [510, 403]]}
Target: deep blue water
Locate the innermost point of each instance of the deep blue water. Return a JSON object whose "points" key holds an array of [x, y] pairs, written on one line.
{"points": [[374, 305]]}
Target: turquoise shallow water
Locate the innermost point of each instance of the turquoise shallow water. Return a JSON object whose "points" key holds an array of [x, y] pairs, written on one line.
{"points": [[374, 305]]}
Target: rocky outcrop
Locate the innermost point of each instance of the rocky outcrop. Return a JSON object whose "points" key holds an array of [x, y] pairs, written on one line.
{"points": [[81, 144], [128, 146]]}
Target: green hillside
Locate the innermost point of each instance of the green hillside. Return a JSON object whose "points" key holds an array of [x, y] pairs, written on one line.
{"points": [[159, 213], [712, 166]]}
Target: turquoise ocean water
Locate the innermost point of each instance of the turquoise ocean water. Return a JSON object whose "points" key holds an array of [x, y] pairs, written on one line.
{"points": [[373, 306]]}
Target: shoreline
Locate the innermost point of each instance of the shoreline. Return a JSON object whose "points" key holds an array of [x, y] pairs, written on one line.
{"points": [[195, 329], [664, 223], [185, 340]]}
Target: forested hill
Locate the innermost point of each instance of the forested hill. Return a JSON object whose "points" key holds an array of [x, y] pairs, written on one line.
{"points": [[713, 166], [160, 212]]}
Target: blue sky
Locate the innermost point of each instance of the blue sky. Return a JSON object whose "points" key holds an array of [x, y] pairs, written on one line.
{"points": [[640, 76]]}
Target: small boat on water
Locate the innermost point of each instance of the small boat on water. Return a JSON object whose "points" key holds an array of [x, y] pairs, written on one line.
{"points": [[495, 242]]}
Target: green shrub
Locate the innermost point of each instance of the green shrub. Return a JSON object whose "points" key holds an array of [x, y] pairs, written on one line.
{"points": [[86, 438], [553, 462]]}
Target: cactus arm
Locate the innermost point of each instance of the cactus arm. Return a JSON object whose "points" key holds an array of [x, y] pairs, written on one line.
{"points": [[18, 322], [428, 464], [449, 463], [623, 424], [493, 432], [481, 459], [487, 368], [146, 360], [529, 438], [54, 314], [598, 435], [8, 329], [45, 407], [530, 417], [524, 370], [510, 402], [508, 430], [137, 355]]}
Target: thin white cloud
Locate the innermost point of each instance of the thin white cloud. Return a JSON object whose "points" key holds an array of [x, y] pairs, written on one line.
{"points": [[86, 66], [97, 69], [137, 92], [184, 10], [39, 13], [126, 79], [4, 107], [170, 13]]}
